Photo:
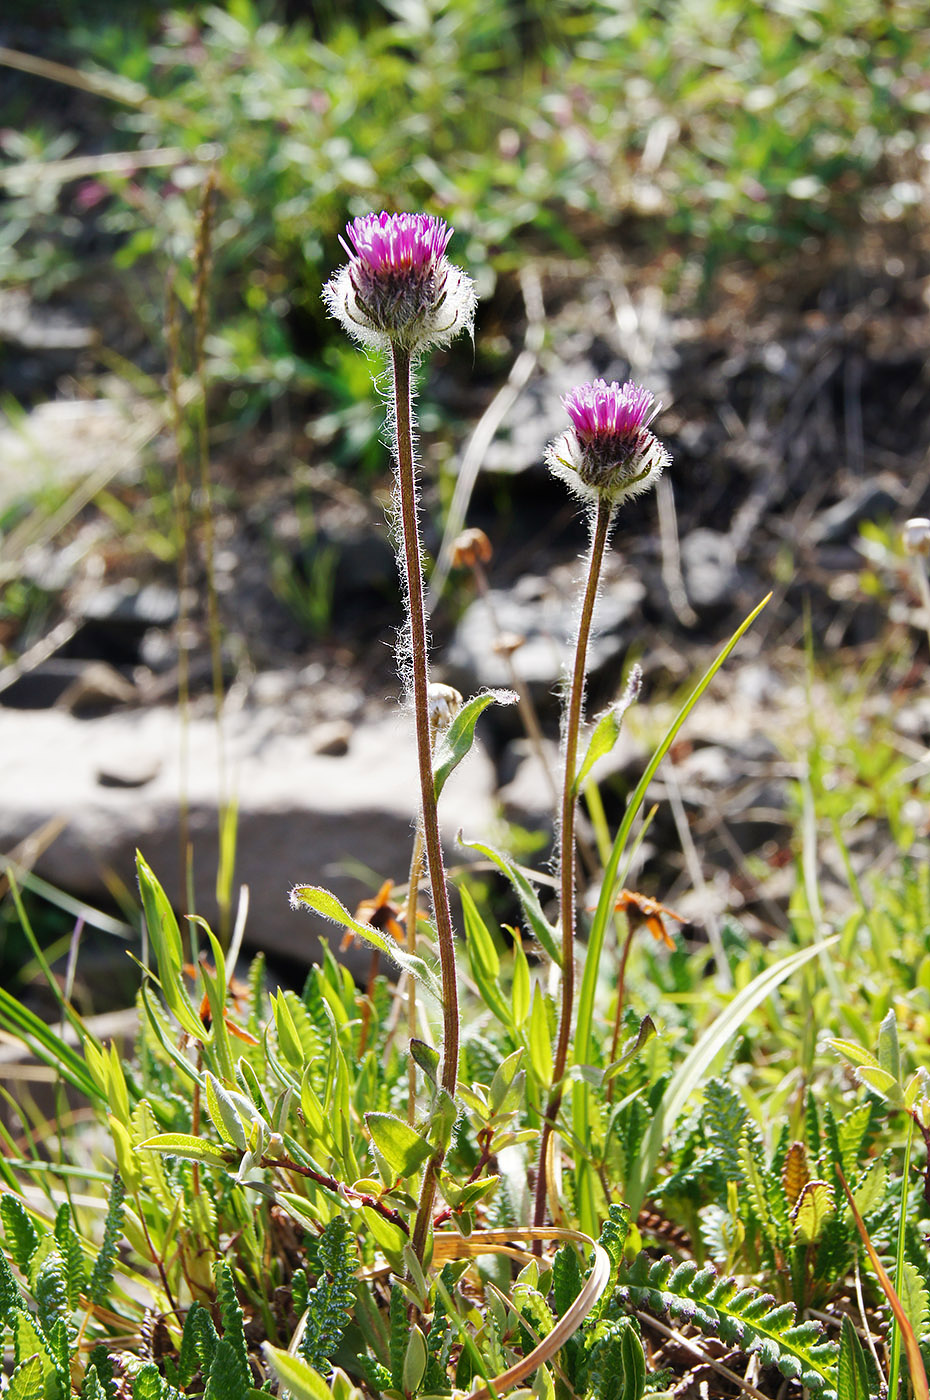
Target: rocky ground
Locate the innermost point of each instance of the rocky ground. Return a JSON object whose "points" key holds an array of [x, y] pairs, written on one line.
{"points": [[798, 412]]}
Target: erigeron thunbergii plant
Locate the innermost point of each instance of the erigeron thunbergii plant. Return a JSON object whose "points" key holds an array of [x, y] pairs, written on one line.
{"points": [[274, 1218], [400, 294], [607, 456]]}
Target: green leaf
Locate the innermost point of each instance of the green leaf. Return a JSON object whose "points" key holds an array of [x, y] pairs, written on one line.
{"points": [[51, 1291], [233, 1334], [327, 905], [390, 1238], [694, 1067], [520, 987], [914, 1300], [415, 1360], [426, 1058], [539, 1039], [889, 1054], [149, 1384], [224, 1113], [295, 1375], [11, 1299], [165, 938], [19, 1231], [541, 929], [609, 884], [607, 730], [193, 1149], [226, 1380], [72, 1255], [456, 741], [852, 1373], [399, 1144], [815, 1206], [101, 1279], [483, 959], [743, 1317], [27, 1381]]}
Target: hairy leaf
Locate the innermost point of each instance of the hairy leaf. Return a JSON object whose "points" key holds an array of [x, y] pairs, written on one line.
{"points": [[459, 737]]}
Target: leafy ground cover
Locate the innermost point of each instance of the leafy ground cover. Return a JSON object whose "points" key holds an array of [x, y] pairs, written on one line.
{"points": [[736, 1190]]}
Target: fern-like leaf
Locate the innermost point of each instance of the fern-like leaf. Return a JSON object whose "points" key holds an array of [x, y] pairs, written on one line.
{"points": [[27, 1381], [747, 1318], [330, 1302], [51, 1291], [724, 1117], [233, 1326], [101, 1278], [101, 1364], [612, 1239], [72, 1255], [92, 1386], [19, 1231], [399, 1337], [11, 1299], [226, 1381], [206, 1340], [190, 1349], [616, 1363], [149, 1384], [566, 1279], [438, 1344]]}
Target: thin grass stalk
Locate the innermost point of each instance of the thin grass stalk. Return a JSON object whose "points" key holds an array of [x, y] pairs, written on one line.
{"points": [[202, 265], [413, 576], [894, 1367], [599, 534], [182, 508]]}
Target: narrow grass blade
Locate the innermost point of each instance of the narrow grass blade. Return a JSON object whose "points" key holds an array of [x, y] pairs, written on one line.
{"points": [[696, 1065]]}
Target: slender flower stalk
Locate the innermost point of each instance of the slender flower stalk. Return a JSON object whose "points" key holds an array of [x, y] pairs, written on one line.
{"points": [[607, 455], [399, 293]]}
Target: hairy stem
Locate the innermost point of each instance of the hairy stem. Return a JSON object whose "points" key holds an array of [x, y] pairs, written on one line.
{"points": [[599, 534], [437, 875]]}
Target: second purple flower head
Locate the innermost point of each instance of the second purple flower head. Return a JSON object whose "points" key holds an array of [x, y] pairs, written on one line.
{"points": [[398, 287], [609, 451]]}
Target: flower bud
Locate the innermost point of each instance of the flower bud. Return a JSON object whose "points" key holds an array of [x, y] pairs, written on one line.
{"points": [[398, 287], [609, 451], [916, 535], [471, 547], [444, 704]]}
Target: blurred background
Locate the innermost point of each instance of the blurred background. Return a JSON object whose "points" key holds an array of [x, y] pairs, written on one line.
{"points": [[727, 201]]}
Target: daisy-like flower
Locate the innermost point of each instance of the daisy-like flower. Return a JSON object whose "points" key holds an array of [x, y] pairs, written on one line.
{"points": [[398, 287], [609, 452]]}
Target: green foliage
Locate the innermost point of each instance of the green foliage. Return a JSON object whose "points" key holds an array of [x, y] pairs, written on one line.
{"points": [[743, 1317], [19, 1232], [101, 1278], [330, 1302]]}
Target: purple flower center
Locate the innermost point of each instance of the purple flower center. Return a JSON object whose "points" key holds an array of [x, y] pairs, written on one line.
{"points": [[602, 410], [388, 243]]}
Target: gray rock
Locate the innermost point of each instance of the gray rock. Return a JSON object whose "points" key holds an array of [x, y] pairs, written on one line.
{"points": [[304, 818], [542, 610], [130, 604], [873, 500], [709, 569]]}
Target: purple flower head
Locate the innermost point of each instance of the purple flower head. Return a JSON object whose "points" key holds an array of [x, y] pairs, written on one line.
{"points": [[389, 243], [398, 287], [602, 410], [609, 451]]}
